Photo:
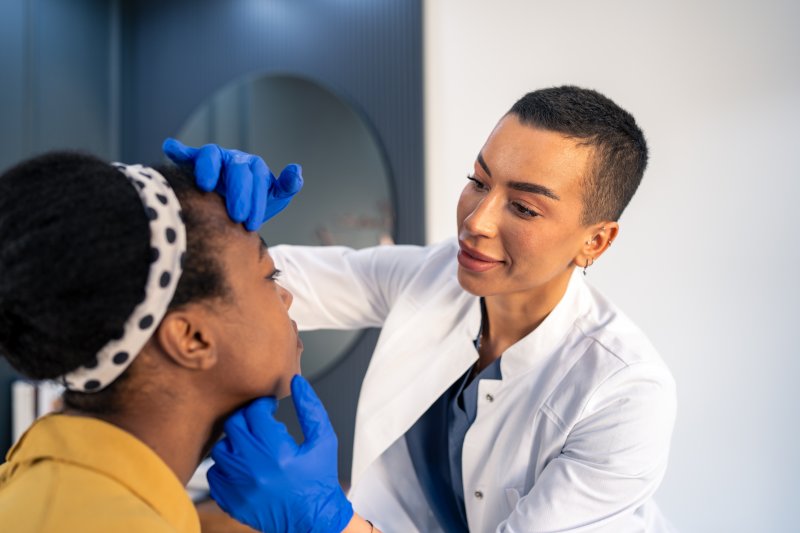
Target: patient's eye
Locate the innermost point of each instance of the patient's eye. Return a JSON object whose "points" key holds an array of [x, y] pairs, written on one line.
{"points": [[273, 276], [476, 183]]}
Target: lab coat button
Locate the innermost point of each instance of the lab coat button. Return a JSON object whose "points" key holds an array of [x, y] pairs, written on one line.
{"points": [[479, 494], [489, 398]]}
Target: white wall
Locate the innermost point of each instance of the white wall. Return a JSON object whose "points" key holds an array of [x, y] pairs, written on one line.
{"points": [[707, 261]]}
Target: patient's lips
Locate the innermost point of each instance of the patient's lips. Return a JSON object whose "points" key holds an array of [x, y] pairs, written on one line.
{"points": [[299, 340]]}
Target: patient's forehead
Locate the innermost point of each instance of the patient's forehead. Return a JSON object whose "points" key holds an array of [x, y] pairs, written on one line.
{"points": [[209, 207]]}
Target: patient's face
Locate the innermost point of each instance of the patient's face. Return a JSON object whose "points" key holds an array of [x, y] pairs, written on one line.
{"points": [[258, 342]]}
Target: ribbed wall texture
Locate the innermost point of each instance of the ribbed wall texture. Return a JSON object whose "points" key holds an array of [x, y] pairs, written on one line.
{"points": [[178, 53]]}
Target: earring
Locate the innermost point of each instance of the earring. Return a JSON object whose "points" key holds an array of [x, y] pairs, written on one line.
{"points": [[589, 262]]}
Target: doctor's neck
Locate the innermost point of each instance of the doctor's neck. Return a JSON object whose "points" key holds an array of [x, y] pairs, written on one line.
{"points": [[512, 316]]}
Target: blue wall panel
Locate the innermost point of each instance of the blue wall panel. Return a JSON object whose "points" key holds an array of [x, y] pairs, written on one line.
{"points": [[12, 89], [178, 53], [71, 76]]}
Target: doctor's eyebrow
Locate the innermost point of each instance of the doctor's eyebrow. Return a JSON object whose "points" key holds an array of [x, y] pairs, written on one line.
{"points": [[533, 188], [520, 185], [262, 247], [483, 164]]}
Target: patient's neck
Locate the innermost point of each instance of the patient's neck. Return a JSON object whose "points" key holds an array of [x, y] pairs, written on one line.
{"points": [[181, 430]]}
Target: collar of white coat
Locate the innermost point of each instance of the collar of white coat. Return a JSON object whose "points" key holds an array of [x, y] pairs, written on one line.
{"points": [[410, 370], [534, 350]]}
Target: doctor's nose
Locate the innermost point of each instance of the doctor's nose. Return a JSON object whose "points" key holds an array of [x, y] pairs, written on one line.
{"points": [[482, 221]]}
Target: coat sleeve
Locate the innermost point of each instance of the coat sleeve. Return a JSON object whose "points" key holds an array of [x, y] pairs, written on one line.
{"points": [[340, 288], [612, 462]]}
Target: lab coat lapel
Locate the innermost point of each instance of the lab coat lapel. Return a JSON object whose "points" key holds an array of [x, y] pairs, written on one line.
{"points": [[399, 390], [533, 352]]}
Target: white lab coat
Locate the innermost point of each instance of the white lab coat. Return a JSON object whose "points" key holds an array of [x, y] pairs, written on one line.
{"points": [[575, 436]]}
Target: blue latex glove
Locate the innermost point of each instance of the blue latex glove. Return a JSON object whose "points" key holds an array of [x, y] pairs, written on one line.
{"points": [[265, 480], [252, 193]]}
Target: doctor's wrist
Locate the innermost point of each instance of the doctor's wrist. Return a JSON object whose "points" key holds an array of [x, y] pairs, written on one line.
{"points": [[360, 525]]}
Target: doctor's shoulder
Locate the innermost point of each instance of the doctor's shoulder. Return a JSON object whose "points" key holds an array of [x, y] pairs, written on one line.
{"points": [[621, 375], [615, 409], [615, 335]]}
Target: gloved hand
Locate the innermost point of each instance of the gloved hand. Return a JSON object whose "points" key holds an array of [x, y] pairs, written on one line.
{"points": [[252, 193], [265, 480]]}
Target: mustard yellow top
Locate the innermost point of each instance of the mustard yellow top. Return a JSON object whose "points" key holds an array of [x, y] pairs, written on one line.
{"points": [[71, 473]]}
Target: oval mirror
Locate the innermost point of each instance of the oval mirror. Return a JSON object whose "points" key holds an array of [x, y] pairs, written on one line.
{"points": [[346, 198]]}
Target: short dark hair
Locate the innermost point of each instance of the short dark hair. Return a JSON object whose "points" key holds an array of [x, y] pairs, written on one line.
{"points": [[620, 148], [74, 259]]}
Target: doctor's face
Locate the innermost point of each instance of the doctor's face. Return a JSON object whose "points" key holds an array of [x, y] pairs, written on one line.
{"points": [[519, 216]]}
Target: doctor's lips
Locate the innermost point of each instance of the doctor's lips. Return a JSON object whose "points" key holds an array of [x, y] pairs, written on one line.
{"points": [[474, 260]]}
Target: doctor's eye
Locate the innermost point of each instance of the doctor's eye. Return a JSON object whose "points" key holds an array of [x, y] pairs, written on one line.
{"points": [[523, 211], [479, 185]]}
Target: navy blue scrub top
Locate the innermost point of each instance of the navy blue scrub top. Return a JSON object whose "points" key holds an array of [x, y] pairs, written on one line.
{"points": [[435, 443]]}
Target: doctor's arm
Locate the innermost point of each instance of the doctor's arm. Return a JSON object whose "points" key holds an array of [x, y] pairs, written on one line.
{"points": [[262, 478], [340, 288], [612, 462]]}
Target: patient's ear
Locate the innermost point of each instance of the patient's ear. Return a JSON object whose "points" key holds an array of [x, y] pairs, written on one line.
{"points": [[186, 337]]}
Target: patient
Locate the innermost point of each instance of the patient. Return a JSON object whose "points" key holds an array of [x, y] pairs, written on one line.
{"points": [[159, 315]]}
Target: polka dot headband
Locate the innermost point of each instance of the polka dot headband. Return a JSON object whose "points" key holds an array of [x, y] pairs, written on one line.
{"points": [[167, 248]]}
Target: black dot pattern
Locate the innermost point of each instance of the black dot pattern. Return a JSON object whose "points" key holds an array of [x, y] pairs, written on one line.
{"points": [[166, 255], [146, 322]]}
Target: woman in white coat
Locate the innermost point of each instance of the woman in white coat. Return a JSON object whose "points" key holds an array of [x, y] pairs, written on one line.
{"points": [[505, 393]]}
